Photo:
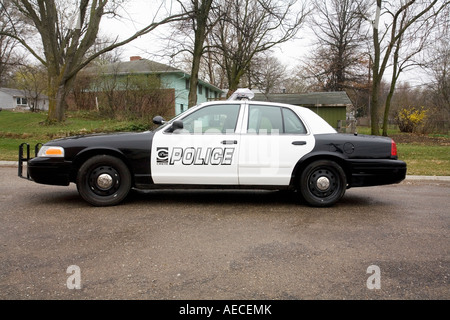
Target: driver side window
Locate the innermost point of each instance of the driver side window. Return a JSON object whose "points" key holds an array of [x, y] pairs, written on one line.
{"points": [[214, 119]]}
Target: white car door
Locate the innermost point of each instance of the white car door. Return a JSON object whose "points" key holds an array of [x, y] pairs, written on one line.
{"points": [[273, 141], [204, 152]]}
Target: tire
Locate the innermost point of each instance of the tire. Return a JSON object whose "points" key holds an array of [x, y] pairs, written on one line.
{"points": [[103, 181], [322, 183]]}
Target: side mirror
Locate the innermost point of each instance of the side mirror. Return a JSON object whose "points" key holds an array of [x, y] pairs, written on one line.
{"points": [[158, 120], [176, 125]]}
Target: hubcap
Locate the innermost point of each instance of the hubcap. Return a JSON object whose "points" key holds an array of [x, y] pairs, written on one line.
{"points": [[104, 181], [323, 183]]}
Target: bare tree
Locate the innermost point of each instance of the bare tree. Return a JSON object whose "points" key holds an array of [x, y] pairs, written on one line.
{"points": [[251, 27], [199, 24], [32, 80], [267, 74], [408, 15], [438, 62], [66, 45], [10, 58], [337, 62], [406, 49]]}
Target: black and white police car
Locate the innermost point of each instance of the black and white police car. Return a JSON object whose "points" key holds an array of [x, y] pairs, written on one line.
{"points": [[238, 143]]}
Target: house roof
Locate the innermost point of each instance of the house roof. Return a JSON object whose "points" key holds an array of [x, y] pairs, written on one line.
{"points": [[19, 93], [329, 99], [136, 67], [141, 66], [13, 92]]}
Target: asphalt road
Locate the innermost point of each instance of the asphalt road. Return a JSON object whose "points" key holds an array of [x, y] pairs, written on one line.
{"points": [[224, 244]]}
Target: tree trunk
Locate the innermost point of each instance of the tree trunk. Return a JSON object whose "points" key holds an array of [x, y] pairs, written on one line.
{"points": [[201, 11], [386, 109], [375, 126]]}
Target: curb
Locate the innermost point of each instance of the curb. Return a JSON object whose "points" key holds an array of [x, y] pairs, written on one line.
{"points": [[10, 163], [408, 178]]}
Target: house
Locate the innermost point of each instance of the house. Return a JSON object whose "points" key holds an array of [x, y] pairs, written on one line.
{"points": [[170, 78], [331, 106], [15, 99]]}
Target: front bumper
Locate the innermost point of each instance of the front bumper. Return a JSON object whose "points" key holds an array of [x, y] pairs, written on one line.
{"points": [[52, 171], [365, 173]]}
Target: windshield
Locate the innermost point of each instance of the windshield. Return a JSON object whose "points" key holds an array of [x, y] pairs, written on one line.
{"points": [[181, 115]]}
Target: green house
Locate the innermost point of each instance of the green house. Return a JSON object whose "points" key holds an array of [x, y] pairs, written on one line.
{"points": [[331, 106], [176, 80]]}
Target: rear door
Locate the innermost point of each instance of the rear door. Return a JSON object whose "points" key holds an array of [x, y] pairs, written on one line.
{"points": [[274, 139]]}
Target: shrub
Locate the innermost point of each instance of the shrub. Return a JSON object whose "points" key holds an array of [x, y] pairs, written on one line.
{"points": [[411, 119]]}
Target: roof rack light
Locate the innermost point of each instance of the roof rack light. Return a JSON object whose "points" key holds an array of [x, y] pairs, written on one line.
{"points": [[241, 94]]}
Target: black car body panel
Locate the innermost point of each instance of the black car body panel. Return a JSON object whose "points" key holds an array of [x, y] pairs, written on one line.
{"points": [[367, 160], [133, 148]]}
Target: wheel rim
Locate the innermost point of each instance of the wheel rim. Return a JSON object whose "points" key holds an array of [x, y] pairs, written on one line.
{"points": [[104, 180], [323, 182]]}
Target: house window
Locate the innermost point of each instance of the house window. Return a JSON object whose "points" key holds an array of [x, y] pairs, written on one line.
{"points": [[207, 93], [187, 84], [200, 89], [182, 107], [21, 101]]}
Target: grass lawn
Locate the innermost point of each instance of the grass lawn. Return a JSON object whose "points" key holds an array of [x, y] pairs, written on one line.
{"points": [[429, 160], [424, 154], [18, 127]]}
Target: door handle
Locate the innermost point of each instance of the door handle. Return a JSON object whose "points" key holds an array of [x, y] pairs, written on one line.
{"points": [[229, 142], [298, 143]]}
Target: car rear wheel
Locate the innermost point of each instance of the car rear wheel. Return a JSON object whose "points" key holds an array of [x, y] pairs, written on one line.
{"points": [[323, 183], [103, 180]]}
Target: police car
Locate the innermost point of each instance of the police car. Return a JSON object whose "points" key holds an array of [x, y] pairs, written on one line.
{"points": [[237, 143]]}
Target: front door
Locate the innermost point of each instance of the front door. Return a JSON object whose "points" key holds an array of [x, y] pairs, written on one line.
{"points": [[204, 152]]}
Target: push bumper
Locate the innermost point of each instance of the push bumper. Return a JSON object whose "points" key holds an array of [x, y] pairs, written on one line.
{"points": [[365, 173], [52, 171]]}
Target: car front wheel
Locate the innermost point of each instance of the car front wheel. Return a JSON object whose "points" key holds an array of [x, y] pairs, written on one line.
{"points": [[322, 183], [103, 180]]}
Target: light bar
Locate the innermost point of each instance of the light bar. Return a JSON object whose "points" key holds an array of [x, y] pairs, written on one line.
{"points": [[240, 94]]}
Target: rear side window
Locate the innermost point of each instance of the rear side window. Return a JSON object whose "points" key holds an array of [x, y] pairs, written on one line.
{"points": [[275, 120], [265, 119], [292, 123]]}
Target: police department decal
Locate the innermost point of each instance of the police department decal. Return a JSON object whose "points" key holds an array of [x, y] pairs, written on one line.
{"points": [[194, 156]]}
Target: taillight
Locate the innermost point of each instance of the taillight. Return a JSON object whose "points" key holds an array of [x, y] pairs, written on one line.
{"points": [[393, 148]]}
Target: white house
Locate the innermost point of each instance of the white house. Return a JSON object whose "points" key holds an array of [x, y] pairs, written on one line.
{"points": [[12, 99]]}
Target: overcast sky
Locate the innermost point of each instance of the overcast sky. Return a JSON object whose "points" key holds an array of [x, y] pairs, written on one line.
{"points": [[139, 13], [136, 14]]}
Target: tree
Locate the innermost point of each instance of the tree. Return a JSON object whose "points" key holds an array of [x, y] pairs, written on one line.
{"points": [[398, 20], [248, 28], [65, 45], [9, 56], [337, 62], [199, 23], [267, 74], [31, 79], [439, 64]]}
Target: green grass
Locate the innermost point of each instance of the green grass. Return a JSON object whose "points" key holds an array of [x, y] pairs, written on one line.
{"points": [[424, 155], [429, 160], [17, 128]]}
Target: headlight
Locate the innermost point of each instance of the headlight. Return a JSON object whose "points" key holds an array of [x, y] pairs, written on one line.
{"points": [[51, 151]]}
